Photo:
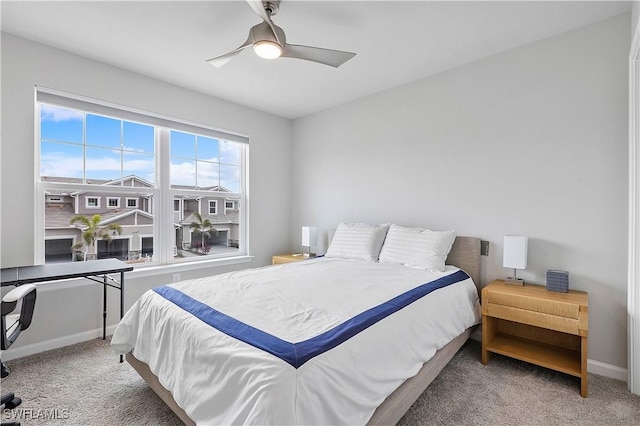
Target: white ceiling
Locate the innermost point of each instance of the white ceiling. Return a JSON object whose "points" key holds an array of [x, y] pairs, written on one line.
{"points": [[396, 42]]}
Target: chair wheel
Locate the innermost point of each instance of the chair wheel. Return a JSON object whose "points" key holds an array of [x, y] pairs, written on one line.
{"points": [[13, 403]]}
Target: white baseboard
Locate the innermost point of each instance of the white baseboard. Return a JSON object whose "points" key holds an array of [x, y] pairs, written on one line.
{"points": [[607, 370], [34, 348], [593, 366]]}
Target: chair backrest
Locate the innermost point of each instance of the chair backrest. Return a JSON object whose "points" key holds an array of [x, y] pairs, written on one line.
{"points": [[11, 326]]}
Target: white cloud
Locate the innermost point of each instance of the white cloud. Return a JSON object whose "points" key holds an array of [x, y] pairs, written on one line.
{"points": [[183, 174], [229, 152], [61, 164], [57, 114], [130, 148]]}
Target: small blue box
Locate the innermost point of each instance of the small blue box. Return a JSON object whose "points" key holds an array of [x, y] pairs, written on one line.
{"points": [[558, 281]]}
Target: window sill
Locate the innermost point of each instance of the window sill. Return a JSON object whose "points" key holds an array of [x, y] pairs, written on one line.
{"points": [[148, 271]]}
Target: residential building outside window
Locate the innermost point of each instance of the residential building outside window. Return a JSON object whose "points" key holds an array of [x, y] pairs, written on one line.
{"points": [[99, 169]]}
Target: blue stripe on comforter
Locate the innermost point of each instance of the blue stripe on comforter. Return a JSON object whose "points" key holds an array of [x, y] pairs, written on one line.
{"points": [[297, 354]]}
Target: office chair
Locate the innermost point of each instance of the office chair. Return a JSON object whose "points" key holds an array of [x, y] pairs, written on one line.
{"points": [[11, 326]]}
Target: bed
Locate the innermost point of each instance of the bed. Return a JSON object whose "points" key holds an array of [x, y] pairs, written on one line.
{"points": [[337, 372]]}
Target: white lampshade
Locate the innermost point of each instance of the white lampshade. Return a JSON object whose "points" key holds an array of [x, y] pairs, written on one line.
{"points": [[308, 236], [515, 252]]}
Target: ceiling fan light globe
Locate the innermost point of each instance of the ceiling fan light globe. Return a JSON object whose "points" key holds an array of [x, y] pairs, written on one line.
{"points": [[267, 49]]}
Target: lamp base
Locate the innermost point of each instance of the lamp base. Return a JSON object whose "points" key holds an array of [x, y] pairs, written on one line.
{"points": [[514, 281]]}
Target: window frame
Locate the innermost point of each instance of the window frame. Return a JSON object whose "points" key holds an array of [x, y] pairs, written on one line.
{"points": [[162, 196], [109, 199], [136, 199], [215, 207], [88, 206]]}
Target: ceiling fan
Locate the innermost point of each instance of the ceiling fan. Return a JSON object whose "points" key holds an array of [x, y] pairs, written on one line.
{"points": [[269, 41]]}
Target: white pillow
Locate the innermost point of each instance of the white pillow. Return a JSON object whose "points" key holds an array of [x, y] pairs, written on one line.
{"points": [[417, 247], [357, 241]]}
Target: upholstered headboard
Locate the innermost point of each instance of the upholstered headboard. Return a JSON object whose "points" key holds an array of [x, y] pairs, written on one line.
{"points": [[465, 254]]}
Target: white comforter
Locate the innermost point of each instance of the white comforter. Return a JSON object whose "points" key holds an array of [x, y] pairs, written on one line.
{"points": [[218, 379]]}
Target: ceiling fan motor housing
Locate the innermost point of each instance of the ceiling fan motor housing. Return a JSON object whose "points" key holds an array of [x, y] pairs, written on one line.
{"points": [[262, 32]]}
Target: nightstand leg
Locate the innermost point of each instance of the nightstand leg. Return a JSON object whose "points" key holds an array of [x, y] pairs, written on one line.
{"points": [[488, 331], [583, 367]]}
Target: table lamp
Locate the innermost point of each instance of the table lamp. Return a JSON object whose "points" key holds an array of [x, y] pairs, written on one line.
{"points": [[308, 239], [515, 256]]}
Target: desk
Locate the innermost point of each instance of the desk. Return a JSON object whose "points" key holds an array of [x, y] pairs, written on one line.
{"points": [[95, 270]]}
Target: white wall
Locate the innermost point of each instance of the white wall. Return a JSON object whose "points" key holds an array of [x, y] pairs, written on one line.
{"points": [[532, 141], [635, 14], [62, 313]]}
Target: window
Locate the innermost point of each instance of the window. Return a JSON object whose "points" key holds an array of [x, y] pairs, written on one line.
{"points": [[89, 151], [93, 202], [213, 206], [113, 202], [229, 206]]}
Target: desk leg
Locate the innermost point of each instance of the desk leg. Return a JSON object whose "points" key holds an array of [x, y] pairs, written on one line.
{"points": [[104, 307], [121, 302]]}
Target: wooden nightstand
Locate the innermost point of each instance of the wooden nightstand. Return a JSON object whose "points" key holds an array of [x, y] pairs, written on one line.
{"points": [[538, 326], [288, 258]]}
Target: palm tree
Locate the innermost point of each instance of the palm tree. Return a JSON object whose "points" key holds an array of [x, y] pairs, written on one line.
{"points": [[202, 227], [92, 231]]}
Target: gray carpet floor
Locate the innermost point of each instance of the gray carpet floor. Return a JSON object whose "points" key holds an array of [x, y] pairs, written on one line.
{"points": [[84, 384]]}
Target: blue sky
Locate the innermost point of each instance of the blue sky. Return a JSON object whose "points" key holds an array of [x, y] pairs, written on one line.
{"points": [[116, 148]]}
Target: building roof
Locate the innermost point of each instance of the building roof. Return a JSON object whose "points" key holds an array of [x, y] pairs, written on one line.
{"points": [[110, 182], [58, 215]]}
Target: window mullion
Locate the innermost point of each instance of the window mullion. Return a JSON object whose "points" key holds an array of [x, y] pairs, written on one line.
{"points": [[164, 233], [84, 148]]}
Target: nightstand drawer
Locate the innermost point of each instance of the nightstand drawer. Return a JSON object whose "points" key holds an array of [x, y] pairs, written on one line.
{"points": [[538, 319], [544, 306]]}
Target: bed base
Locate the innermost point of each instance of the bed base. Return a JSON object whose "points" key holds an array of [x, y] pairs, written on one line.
{"points": [[399, 402], [388, 413]]}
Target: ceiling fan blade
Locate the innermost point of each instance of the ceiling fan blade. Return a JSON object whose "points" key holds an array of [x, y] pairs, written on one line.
{"points": [[258, 8], [221, 60], [334, 58]]}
